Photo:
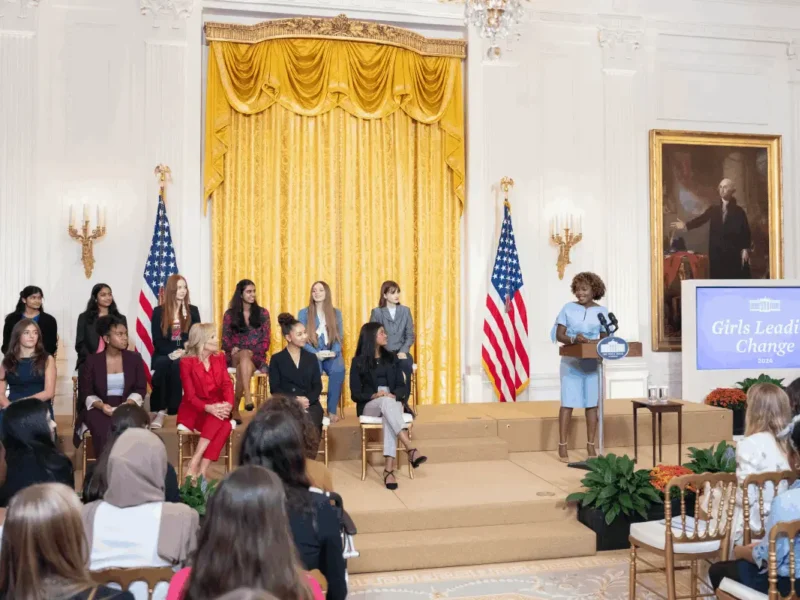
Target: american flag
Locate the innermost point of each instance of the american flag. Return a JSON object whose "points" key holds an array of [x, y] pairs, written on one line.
{"points": [[505, 329], [161, 263]]}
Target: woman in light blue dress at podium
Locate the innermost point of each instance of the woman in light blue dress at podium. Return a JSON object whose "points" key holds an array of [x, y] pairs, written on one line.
{"points": [[578, 323]]}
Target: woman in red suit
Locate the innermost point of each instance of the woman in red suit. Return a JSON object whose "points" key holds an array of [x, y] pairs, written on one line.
{"points": [[207, 396]]}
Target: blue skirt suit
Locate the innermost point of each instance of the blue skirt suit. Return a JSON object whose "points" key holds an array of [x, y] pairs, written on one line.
{"points": [[580, 382]]}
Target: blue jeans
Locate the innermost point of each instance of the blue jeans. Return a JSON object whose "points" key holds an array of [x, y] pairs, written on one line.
{"points": [[334, 367]]}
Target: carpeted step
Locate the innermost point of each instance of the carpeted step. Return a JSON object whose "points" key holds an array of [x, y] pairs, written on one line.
{"points": [[434, 548], [547, 508], [454, 450]]}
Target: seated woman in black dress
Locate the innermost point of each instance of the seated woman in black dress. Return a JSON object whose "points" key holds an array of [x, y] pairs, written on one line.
{"points": [[294, 371], [273, 440], [87, 341], [27, 368], [31, 453], [107, 380], [29, 306], [378, 389]]}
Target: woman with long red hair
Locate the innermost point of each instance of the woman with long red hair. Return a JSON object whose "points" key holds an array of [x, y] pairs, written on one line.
{"points": [[170, 325]]}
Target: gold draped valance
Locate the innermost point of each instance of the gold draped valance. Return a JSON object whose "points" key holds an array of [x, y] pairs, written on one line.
{"points": [[311, 76]]}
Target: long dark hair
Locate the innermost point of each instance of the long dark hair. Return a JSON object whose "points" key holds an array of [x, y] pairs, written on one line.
{"points": [[125, 417], [386, 288], [29, 290], [245, 541], [12, 358], [364, 359], [308, 430], [26, 431], [273, 440], [92, 309], [237, 306]]}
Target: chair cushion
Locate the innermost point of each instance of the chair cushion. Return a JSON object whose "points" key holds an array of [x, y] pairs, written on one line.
{"points": [[407, 418], [741, 591], [232, 370], [653, 534], [326, 422], [185, 429]]}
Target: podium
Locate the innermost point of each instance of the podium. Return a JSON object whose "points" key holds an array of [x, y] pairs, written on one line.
{"points": [[589, 351]]}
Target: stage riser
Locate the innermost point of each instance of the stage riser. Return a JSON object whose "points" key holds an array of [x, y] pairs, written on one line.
{"points": [[454, 450]]}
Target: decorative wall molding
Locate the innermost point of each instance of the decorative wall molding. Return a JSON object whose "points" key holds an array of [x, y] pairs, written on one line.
{"points": [[23, 10], [174, 9], [619, 44]]}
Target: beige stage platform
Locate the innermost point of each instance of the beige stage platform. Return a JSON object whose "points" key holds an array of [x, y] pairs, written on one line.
{"points": [[493, 490]]}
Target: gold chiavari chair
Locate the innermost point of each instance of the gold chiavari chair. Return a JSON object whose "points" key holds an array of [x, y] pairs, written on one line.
{"points": [[760, 481]]}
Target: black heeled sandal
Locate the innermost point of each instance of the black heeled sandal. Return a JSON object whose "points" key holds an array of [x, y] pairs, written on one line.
{"points": [[418, 460], [386, 475]]}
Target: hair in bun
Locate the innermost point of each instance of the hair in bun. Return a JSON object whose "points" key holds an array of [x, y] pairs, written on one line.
{"points": [[287, 321]]}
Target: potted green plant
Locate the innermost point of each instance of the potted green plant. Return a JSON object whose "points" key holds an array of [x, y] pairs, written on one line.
{"points": [[746, 384], [614, 496], [719, 459], [195, 493], [734, 399]]}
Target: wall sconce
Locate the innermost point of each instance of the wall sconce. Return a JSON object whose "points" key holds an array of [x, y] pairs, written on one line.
{"points": [[565, 231], [87, 237]]}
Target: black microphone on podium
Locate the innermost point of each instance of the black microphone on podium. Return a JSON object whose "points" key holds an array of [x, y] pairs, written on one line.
{"points": [[614, 323], [604, 323]]}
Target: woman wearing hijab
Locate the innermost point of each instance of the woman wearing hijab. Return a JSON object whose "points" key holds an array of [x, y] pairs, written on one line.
{"points": [[132, 526]]}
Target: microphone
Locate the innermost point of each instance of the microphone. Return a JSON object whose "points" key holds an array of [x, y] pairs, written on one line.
{"points": [[614, 322], [603, 322]]}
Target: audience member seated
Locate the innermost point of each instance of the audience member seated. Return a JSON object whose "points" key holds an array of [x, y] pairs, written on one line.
{"points": [[132, 526], [273, 440], [317, 472], [378, 389], [44, 550], [245, 542], [114, 377], [245, 338], [761, 451], [30, 306], [247, 594], [170, 325], [31, 453], [793, 391], [325, 335], [95, 482], [87, 340], [27, 368], [399, 325], [749, 566], [208, 397], [294, 371]]}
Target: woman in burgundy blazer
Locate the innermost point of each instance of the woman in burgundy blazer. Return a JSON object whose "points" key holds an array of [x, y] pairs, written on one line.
{"points": [[207, 396], [107, 380]]}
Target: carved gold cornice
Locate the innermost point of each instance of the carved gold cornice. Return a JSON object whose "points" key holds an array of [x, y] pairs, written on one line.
{"points": [[339, 28]]}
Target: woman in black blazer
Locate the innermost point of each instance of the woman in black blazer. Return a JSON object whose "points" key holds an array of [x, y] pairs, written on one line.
{"points": [[294, 371], [377, 386], [29, 306], [87, 340], [169, 330]]}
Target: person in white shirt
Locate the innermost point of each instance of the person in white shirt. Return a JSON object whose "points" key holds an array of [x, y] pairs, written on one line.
{"points": [[132, 526], [761, 450]]}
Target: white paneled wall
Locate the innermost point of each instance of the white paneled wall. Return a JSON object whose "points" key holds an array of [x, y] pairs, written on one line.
{"points": [[95, 93]]}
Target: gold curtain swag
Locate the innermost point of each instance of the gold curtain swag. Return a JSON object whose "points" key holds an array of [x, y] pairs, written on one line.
{"points": [[341, 161]]}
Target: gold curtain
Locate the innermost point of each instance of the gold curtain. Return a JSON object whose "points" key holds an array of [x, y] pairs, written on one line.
{"points": [[341, 161]]}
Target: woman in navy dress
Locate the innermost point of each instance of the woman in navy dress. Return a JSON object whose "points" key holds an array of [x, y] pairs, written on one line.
{"points": [[578, 323]]}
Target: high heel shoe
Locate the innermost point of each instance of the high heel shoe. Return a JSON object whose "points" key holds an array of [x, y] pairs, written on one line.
{"points": [[417, 460], [386, 475], [563, 459]]}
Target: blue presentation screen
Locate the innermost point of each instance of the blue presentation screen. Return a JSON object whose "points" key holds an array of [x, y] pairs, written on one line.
{"points": [[748, 328]]}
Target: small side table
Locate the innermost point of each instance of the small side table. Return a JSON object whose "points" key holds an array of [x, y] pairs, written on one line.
{"points": [[657, 409]]}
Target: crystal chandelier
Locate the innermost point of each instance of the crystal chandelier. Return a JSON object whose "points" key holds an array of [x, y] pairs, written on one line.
{"points": [[496, 20]]}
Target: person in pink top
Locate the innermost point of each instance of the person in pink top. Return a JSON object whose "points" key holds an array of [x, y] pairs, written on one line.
{"points": [[245, 542]]}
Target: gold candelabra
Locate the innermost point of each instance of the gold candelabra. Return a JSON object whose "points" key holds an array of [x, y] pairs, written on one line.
{"points": [[87, 236], [565, 231]]}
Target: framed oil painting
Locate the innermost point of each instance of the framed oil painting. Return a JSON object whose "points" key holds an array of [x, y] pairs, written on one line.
{"points": [[715, 206]]}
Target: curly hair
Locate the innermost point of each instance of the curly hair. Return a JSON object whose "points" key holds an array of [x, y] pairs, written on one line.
{"points": [[593, 281], [287, 404]]}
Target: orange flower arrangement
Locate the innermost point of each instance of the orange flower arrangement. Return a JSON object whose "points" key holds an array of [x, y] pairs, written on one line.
{"points": [[661, 475], [732, 398]]}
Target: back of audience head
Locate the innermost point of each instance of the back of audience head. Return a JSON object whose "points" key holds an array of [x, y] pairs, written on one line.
{"points": [[44, 551], [768, 411], [27, 427], [290, 406], [25, 335], [31, 295], [245, 540], [247, 594], [126, 416], [793, 391], [136, 468], [273, 440]]}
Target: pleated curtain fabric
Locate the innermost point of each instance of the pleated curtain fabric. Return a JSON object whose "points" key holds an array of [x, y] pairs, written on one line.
{"points": [[341, 161]]}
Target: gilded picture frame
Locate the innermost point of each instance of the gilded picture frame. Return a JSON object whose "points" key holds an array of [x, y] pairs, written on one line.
{"points": [[697, 181]]}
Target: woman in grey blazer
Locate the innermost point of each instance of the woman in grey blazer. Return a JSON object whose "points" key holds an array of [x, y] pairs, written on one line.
{"points": [[398, 323]]}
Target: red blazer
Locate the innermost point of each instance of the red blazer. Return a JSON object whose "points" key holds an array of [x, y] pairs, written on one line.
{"points": [[195, 396]]}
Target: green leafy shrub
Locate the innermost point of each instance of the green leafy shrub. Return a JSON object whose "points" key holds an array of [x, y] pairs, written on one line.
{"points": [[746, 384], [196, 493], [721, 459]]}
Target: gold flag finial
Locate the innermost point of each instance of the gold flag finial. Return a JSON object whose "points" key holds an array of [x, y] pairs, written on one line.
{"points": [[506, 183]]}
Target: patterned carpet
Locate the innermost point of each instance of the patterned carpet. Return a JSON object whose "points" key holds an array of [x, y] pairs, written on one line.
{"points": [[601, 577]]}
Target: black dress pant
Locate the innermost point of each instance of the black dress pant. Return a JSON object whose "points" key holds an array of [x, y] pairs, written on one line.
{"points": [[316, 413], [167, 389], [746, 573]]}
